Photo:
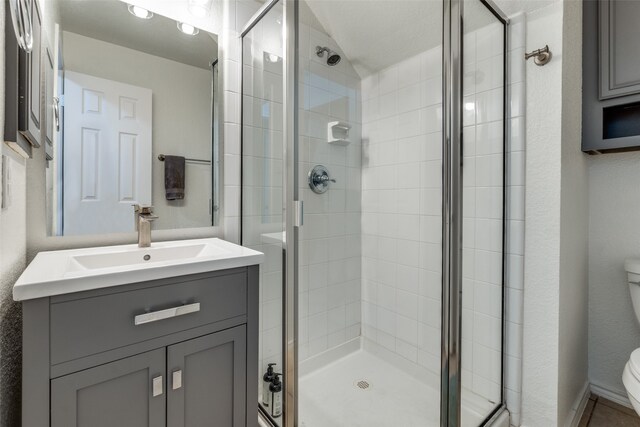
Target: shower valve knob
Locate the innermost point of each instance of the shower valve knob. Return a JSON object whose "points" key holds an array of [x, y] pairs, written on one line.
{"points": [[319, 179]]}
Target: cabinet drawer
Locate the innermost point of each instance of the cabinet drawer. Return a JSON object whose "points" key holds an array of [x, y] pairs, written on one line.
{"points": [[91, 325]]}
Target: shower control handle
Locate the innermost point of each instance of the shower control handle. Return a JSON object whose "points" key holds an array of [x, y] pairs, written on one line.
{"points": [[324, 178], [319, 179]]}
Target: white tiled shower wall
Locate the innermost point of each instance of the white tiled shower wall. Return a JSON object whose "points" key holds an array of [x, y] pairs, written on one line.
{"points": [[329, 294], [401, 208]]}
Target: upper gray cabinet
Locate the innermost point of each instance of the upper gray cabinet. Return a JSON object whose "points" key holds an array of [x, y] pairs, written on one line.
{"points": [[23, 77], [611, 76], [619, 48], [32, 127]]}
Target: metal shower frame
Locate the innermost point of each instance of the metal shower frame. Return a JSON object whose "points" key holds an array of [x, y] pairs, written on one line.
{"points": [[453, 14]]}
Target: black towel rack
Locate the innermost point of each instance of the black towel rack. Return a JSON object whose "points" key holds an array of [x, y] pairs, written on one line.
{"points": [[186, 159]]}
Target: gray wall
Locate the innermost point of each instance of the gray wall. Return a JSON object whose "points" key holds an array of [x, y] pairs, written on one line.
{"points": [[12, 262], [614, 234]]}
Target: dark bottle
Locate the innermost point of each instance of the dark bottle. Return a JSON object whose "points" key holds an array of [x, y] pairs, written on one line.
{"points": [[267, 378], [275, 397]]}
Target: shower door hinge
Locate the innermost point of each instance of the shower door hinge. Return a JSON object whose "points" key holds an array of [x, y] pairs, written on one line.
{"points": [[298, 213]]}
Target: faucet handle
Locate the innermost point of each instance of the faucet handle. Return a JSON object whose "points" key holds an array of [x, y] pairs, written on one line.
{"points": [[145, 210]]}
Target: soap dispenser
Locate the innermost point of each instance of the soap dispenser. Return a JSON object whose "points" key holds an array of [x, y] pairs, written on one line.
{"points": [[267, 378], [275, 397]]}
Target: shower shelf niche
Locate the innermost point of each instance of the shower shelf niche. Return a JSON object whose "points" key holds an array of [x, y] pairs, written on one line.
{"points": [[338, 133]]}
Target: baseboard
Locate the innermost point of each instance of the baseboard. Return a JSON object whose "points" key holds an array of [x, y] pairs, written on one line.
{"points": [[614, 396], [578, 407]]}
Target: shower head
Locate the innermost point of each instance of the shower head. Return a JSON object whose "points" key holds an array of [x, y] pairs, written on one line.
{"points": [[332, 57]]}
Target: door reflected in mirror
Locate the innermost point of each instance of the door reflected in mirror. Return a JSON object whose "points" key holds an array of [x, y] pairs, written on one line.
{"points": [[134, 117]]}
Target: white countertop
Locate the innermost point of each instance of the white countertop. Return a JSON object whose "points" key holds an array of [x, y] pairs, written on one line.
{"points": [[76, 270]]}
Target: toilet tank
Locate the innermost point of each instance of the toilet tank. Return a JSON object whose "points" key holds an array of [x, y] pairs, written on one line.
{"points": [[632, 266]]}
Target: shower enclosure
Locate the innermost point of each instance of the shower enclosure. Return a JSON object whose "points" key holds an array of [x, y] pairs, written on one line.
{"points": [[373, 178]]}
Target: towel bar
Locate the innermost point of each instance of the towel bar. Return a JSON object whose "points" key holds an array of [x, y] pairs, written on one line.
{"points": [[186, 159]]}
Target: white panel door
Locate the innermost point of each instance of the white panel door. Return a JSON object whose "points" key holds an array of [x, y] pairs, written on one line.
{"points": [[107, 154]]}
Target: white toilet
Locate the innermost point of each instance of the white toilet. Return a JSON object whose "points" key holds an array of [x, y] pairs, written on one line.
{"points": [[631, 374]]}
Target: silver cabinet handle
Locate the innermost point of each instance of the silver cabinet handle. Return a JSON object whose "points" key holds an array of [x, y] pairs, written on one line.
{"points": [[156, 386], [154, 316], [176, 379], [56, 113]]}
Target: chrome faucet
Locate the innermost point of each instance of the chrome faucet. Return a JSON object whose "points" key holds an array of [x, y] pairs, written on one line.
{"points": [[143, 217]]}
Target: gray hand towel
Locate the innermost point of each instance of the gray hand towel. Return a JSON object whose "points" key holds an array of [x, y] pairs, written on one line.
{"points": [[174, 177]]}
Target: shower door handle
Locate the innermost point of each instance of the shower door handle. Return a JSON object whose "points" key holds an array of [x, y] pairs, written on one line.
{"points": [[298, 213]]}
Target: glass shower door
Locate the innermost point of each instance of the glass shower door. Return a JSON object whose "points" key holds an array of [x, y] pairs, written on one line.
{"points": [[483, 237], [263, 183], [370, 177]]}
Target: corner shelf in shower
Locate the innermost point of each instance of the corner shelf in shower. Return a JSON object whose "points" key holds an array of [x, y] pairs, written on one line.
{"points": [[338, 133]]}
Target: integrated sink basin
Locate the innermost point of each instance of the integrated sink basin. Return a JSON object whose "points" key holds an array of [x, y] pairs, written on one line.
{"points": [[134, 257], [76, 270]]}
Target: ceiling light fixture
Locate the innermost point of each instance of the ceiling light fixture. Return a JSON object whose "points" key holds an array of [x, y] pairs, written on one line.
{"points": [[140, 12], [199, 8], [188, 29]]}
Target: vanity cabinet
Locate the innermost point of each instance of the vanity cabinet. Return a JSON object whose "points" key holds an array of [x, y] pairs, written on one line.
{"points": [[177, 352]]}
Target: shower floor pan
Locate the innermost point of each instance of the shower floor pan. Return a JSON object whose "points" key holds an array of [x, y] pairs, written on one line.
{"points": [[362, 389]]}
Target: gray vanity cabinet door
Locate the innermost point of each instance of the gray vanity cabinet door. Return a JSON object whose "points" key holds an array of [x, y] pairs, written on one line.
{"points": [[120, 393], [206, 381]]}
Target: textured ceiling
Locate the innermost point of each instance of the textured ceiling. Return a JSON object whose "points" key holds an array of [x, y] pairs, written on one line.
{"points": [[110, 21], [374, 34]]}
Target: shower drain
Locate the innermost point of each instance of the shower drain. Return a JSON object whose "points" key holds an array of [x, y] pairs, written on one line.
{"points": [[363, 384]]}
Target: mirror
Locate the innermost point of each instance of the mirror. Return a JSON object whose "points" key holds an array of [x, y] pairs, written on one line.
{"points": [[132, 97]]}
